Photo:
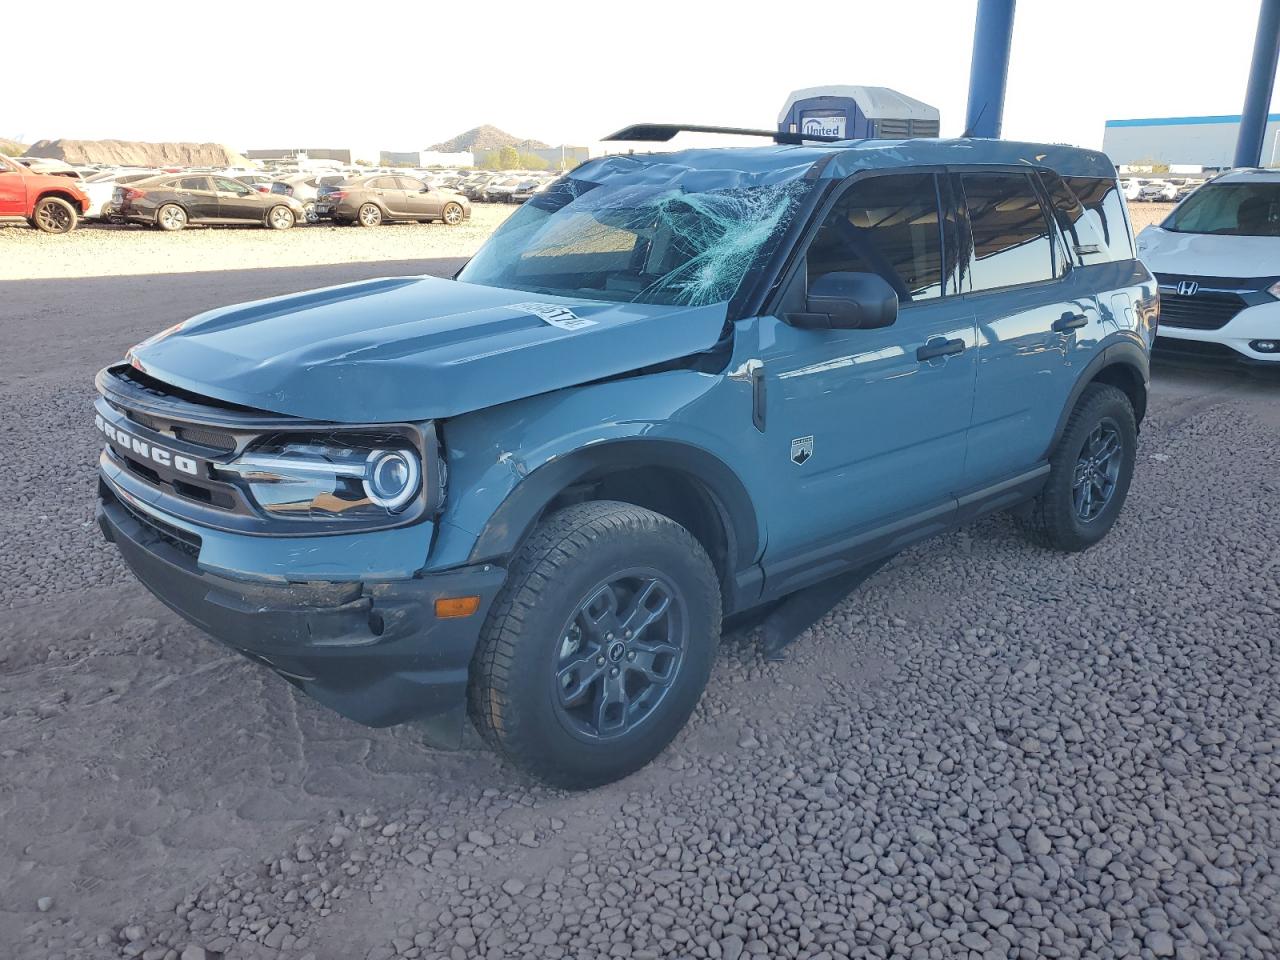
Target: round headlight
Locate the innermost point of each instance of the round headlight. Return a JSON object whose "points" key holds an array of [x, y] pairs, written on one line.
{"points": [[391, 478]]}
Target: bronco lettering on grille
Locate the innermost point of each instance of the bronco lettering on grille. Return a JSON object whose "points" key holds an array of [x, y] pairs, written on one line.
{"points": [[148, 451]]}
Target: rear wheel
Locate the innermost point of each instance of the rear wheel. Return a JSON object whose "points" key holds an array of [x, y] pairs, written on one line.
{"points": [[370, 215], [1089, 472], [309, 211], [598, 647], [171, 217], [280, 218], [453, 214], [54, 215]]}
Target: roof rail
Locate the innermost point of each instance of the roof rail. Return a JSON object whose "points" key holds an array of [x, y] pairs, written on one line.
{"points": [[662, 132]]}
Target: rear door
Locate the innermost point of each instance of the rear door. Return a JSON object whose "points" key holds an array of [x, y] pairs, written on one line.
{"points": [[390, 195], [197, 196], [1037, 321]]}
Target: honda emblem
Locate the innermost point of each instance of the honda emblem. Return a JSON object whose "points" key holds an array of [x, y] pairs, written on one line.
{"points": [[1187, 288]]}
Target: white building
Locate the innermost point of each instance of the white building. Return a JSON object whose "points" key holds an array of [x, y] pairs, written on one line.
{"points": [[1203, 141]]}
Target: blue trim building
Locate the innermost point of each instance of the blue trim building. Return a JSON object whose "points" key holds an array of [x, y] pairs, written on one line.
{"points": [[1209, 141]]}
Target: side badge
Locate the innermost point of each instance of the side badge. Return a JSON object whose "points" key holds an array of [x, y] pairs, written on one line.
{"points": [[801, 450]]}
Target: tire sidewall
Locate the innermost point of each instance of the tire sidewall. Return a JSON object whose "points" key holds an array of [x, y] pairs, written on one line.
{"points": [[160, 218], [55, 202], [271, 218], [1105, 404], [360, 215], [543, 738]]}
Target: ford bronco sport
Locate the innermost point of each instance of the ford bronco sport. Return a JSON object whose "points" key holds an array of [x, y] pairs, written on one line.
{"points": [[671, 388]]}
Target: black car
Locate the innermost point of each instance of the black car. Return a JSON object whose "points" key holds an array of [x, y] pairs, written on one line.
{"points": [[172, 201]]}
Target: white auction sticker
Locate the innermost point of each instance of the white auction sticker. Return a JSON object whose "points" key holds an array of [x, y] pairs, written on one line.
{"points": [[556, 315]]}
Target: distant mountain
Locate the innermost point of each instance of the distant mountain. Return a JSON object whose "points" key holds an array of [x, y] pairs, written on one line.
{"points": [[483, 139], [12, 148]]}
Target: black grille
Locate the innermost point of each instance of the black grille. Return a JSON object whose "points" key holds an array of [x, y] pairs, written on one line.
{"points": [[1174, 348], [1204, 311], [206, 437]]}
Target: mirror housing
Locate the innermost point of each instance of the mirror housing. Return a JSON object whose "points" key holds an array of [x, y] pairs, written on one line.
{"points": [[847, 301]]}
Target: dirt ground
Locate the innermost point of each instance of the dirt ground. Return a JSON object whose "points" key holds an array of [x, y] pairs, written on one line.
{"points": [[988, 750]]}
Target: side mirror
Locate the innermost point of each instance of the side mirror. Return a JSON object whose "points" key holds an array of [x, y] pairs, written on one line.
{"points": [[848, 301]]}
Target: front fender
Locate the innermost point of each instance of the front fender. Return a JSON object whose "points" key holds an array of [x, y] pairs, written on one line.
{"points": [[508, 462]]}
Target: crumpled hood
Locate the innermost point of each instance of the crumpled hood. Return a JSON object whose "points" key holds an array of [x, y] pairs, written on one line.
{"points": [[415, 348], [1204, 255]]}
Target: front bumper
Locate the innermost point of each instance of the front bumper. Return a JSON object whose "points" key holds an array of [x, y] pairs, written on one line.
{"points": [[1253, 323], [374, 651]]}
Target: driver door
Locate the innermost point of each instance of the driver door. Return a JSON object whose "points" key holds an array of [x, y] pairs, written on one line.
{"points": [[13, 190], [867, 429], [238, 202], [421, 202]]}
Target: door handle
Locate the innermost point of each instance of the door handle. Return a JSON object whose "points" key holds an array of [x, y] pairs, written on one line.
{"points": [[939, 348], [1069, 321]]}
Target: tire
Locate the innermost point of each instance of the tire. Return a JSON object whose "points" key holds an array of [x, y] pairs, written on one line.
{"points": [[309, 211], [452, 214], [541, 672], [171, 218], [280, 217], [369, 215], [54, 215], [1102, 416]]}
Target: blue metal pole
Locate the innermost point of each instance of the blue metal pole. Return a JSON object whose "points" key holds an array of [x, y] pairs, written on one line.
{"points": [[992, 35], [1262, 77]]}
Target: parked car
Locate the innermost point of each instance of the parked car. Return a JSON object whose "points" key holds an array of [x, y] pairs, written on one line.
{"points": [[371, 201], [500, 190], [49, 202], [1186, 189], [1158, 191], [473, 188], [1132, 188], [1216, 258], [305, 188], [530, 188], [776, 369], [101, 191], [259, 181], [171, 202]]}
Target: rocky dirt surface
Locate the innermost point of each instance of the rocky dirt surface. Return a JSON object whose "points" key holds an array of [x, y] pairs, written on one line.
{"points": [[105, 250], [987, 751]]}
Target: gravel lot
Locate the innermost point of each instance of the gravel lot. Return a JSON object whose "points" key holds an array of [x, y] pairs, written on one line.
{"points": [[101, 250], [987, 751]]}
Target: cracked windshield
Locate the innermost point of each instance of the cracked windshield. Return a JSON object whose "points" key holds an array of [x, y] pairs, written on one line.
{"points": [[644, 232]]}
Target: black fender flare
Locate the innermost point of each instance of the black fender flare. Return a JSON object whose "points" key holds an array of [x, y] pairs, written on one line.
{"points": [[523, 506], [1124, 352]]}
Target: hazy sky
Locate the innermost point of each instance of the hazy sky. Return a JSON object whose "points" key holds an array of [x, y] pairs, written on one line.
{"points": [[403, 76]]}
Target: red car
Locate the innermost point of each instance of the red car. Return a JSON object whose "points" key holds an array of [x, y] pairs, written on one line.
{"points": [[49, 203]]}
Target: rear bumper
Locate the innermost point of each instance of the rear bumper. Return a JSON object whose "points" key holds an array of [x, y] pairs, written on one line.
{"points": [[373, 651]]}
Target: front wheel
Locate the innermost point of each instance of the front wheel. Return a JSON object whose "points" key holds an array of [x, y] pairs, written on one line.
{"points": [[1089, 472], [280, 218], [598, 647], [54, 215], [309, 211], [453, 214], [370, 215]]}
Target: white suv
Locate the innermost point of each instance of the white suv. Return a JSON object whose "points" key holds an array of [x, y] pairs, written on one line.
{"points": [[1217, 260]]}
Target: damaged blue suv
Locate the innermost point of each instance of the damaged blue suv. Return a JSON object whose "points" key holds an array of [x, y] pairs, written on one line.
{"points": [[672, 388]]}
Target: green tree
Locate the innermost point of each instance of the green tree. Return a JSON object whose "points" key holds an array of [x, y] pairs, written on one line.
{"points": [[531, 161], [508, 158]]}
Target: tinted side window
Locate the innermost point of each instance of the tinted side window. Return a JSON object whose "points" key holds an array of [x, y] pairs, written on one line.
{"points": [[886, 225], [1011, 239], [1104, 206], [408, 183], [193, 183], [384, 183]]}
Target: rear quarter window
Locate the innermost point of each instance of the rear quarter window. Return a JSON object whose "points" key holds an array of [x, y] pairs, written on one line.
{"points": [[1104, 215]]}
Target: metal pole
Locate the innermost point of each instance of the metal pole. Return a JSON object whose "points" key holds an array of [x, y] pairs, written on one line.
{"points": [[989, 68], [1262, 77]]}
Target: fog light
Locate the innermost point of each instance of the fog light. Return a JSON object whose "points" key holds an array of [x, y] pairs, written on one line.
{"points": [[1265, 346], [449, 608]]}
